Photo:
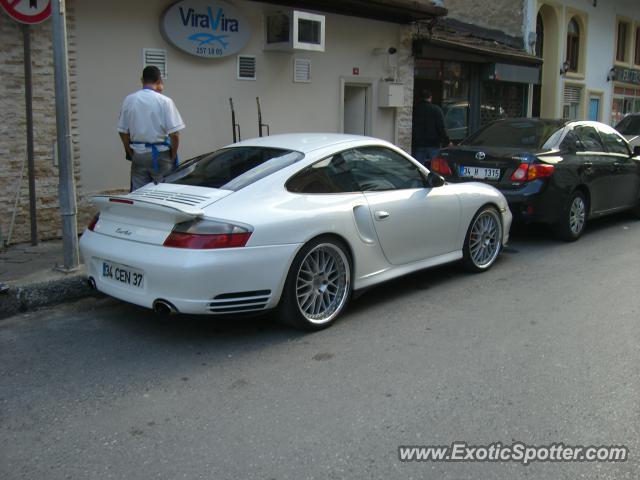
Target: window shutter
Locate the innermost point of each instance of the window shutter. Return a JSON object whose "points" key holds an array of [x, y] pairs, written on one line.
{"points": [[156, 57], [572, 94], [246, 67], [301, 71]]}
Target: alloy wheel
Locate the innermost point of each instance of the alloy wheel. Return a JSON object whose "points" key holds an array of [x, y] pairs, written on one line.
{"points": [[322, 283], [577, 215], [484, 239]]}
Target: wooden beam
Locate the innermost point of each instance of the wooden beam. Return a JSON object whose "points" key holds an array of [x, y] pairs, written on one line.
{"points": [[397, 11]]}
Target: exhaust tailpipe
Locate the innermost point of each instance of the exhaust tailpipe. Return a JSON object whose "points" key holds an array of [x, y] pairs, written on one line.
{"points": [[163, 307]]}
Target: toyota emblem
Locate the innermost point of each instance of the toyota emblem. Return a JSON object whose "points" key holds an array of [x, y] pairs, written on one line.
{"points": [[480, 156]]}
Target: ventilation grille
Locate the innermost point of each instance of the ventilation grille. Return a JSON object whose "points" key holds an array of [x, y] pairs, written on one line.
{"points": [[181, 198], [155, 57], [240, 302], [302, 71], [246, 67], [572, 94]]}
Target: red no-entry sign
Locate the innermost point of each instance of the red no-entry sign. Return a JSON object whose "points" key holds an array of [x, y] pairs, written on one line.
{"points": [[27, 11]]}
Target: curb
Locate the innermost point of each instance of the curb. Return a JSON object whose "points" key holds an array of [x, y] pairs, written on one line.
{"points": [[22, 298]]}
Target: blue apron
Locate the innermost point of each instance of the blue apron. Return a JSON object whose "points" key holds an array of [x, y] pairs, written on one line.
{"points": [[155, 153]]}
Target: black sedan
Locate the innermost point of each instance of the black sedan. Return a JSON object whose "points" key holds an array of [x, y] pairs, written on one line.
{"points": [[551, 171]]}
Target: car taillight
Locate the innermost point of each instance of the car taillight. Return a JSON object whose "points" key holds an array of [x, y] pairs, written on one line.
{"points": [[207, 235], [540, 170], [441, 166], [94, 220], [527, 172]]}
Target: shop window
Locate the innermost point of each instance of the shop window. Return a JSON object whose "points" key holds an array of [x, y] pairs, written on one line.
{"points": [[625, 101], [455, 99], [573, 45], [621, 46], [502, 100], [572, 99], [637, 56]]}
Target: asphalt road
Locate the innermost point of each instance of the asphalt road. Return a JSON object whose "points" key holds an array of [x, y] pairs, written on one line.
{"points": [[544, 348]]}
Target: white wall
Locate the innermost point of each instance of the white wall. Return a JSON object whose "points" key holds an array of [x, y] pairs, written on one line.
{"points": [[110, 39]]}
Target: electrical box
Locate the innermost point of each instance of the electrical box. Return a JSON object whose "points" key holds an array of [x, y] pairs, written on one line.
{"points": [[391, 94]]}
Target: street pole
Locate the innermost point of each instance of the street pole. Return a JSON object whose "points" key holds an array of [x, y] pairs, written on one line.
{"points": [[66, 186], [28, 100]]}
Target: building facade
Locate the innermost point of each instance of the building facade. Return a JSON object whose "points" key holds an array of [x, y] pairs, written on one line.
{"points": [[591, 58], [476, 64], [348, 70]]}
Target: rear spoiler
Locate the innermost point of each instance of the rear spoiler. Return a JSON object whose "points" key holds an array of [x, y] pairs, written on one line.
{"points": [[182, 213]]}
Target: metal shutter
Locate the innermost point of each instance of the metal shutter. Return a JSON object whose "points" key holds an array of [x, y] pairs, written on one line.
{"points": [[246, 67], [156, 57], [572, 94], [302, 71]]}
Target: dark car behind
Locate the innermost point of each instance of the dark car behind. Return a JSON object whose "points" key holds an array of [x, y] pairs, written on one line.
{"points": [[629, 127], [550, 171]]}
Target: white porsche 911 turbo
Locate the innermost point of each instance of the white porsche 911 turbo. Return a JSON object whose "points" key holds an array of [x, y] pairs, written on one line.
{"points": [[294, 222]]}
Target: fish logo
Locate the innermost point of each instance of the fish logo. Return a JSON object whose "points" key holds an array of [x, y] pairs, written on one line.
{"points": [[208, 39]]}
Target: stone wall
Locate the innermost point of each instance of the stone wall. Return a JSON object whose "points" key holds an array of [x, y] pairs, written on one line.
{"points": [[13, 178], [504, 15], [404, 115]]}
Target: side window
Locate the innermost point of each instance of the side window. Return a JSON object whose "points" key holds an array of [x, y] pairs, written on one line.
{"points": [[331, 175], [379, 169], [571, 143], [614, 143], [589, 139]]}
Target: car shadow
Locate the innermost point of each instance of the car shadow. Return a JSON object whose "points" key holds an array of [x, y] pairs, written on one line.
{"points": [[543, 234]]}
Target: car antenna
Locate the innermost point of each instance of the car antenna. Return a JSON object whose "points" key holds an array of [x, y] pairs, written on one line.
{"points": [[260, 124], [236, 127]]}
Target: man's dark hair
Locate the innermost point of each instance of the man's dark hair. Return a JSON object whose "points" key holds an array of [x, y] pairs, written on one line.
{"points": [[426, 94], [151, 74]]}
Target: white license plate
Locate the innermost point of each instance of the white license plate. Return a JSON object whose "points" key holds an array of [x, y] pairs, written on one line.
{"points": [[480, 172], [122, 274]]}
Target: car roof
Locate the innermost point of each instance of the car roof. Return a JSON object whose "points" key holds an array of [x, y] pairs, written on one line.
{"points": [[305, 142]]}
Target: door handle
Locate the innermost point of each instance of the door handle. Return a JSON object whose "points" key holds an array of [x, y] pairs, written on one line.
{"points": [[588, 164], [382, 215], [617, 166]]}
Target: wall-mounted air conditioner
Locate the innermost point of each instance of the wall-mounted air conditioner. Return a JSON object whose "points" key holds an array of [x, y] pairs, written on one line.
{"points": [[291, 30]]}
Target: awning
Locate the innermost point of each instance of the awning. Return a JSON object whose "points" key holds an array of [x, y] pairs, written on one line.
{"points": [[396, 11], [454, 40], [470, 52]]}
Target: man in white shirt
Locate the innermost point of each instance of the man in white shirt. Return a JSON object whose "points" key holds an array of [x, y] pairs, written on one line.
{"points": [[149, 126]]}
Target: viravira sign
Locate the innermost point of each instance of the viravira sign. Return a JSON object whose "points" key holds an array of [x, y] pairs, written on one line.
{"points": [[205, 28]]}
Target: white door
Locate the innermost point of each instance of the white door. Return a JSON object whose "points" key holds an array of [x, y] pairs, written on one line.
{"points": [[412, 222], [355, 109]]}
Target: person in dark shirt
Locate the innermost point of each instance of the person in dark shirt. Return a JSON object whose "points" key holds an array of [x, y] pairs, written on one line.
{"points": [[429, 133]]}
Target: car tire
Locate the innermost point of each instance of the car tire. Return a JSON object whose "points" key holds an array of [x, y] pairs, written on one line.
{"points": [[318, 285], [574, 218], [483, 242]]}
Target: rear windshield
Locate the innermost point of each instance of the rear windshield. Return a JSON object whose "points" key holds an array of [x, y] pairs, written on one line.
{"points": [[516, 134], [629, 125], [233, 168]]}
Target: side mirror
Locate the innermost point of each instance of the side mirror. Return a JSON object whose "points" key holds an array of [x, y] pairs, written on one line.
{"points": [[636, 151], [434, 180]]}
